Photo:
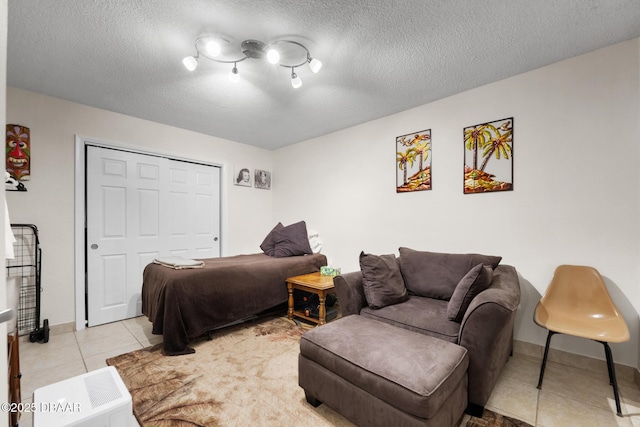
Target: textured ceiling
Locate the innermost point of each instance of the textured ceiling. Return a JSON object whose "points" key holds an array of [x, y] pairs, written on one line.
{"points": [[380, 57]]}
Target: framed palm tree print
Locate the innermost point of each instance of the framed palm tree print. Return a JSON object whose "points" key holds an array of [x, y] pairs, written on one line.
{"points": [[413, 162], [488, 157]]}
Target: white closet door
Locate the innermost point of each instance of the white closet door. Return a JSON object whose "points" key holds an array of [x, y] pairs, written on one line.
{"points": [[132, 210], [194, 199]]}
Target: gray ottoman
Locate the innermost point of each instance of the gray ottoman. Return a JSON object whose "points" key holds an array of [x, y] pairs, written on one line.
{"points": [[376, 374]]}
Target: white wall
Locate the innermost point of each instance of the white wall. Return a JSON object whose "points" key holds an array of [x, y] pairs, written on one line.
{"points": [[49, 201], [638, 125], [575, 198], [4, 392]]}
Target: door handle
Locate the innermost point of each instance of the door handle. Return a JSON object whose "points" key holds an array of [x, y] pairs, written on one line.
{"points": [[94, 246], [215, 239], [6, 315]]}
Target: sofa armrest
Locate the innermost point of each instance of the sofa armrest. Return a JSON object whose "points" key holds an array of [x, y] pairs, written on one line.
{"points": [[487, 332], [350, 293]]}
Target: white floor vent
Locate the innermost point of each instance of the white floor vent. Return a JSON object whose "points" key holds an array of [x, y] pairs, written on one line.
{"points": [[95, 399]]}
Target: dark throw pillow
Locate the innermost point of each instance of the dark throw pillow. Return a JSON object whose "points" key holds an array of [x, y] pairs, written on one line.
{"points": [[382, 280], [436, 275], [268, 245], [291, 240], [475, 281]]}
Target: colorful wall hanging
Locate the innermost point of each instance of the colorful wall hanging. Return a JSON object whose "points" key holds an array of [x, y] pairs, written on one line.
{"points": [[488, 157], [18, 152], [413, 161]]}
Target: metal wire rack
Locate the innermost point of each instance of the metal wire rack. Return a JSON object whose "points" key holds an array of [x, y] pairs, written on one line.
{"points": [[26, 265]]}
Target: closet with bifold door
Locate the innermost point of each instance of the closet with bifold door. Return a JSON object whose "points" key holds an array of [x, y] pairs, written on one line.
{"points": [[140, 207]]}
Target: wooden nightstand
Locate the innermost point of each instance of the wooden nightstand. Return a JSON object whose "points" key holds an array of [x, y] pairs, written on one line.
{"points": [[315, 283]]}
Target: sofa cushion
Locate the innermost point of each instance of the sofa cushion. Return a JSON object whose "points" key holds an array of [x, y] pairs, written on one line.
{"points": [[435, 275], [475, 281], [268, 245], [382, 281], [291, 240], [427, 316]]}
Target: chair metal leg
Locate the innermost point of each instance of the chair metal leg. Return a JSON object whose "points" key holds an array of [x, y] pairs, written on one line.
{"points": [[610, 369], [609, 365], [612, 376], [544, 359]]}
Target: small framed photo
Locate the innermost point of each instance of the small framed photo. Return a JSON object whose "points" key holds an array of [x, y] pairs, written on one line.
{"points": [[242, 177], [262, 179]]}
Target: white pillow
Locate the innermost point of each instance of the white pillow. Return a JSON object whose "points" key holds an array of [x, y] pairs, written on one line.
{"points": [[314, 242]]}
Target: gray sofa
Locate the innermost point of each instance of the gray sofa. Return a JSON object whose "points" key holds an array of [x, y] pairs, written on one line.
{"points": [[483, 325]]}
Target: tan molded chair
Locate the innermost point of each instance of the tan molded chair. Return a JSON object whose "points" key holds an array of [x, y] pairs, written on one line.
{"points": [[577, 303]]}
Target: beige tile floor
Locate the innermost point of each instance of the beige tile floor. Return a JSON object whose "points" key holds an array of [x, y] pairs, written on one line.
{"points": [[575, 392], [74, 353], [570, 395]]}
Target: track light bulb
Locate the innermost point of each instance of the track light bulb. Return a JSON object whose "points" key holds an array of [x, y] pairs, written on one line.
{"points": [[315, 65], [273, 56], [234, 77], [213, 48], [190, 63], [296, 81]]}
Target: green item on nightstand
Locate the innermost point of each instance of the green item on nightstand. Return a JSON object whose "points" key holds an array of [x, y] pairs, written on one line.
{"points": [[329, 271]]}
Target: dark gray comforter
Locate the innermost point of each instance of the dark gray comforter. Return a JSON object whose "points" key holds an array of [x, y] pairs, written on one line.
{"points": [[184, 304]]}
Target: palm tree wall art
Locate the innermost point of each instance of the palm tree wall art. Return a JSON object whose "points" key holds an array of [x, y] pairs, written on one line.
{"points": [[490, 145], [413, 162]]}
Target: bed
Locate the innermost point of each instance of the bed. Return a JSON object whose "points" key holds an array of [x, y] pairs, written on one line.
{"points": [[184, 304]]}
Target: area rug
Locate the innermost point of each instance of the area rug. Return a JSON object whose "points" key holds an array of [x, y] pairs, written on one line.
{"points": [[245, 375], [492, 419]]}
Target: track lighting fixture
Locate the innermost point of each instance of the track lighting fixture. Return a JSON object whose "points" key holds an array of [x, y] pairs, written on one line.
{"points": [[190, 62], [273, 56], [296, 81], [234, 77], [211, 48]]}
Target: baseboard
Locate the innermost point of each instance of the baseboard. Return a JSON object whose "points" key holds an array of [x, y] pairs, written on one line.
{"points": [[60, 329], [571, 359]]}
